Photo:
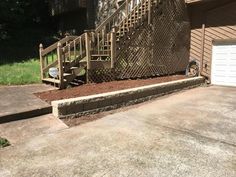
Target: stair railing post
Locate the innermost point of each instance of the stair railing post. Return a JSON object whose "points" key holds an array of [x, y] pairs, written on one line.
{"points": [[113, 47], [67, 36], [132, 4], [60, 65], [41, 61], [88, 53], [127, 8], [149, 11]]}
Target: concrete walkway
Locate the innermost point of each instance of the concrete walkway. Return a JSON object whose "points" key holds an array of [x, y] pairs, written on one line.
{"points": [[18, 102], [21, 131], [186, 134]]}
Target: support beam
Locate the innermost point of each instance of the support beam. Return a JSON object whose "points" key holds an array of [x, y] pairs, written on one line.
{"points": [[60, 65], [41, 61], [149, 11], [88, 52], [127, 8], [113, 47]]}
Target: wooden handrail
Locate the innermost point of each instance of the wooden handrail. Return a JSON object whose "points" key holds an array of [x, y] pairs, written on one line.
{"points": [[110, 18], [54, 46], [72, 42], [130, 14]]}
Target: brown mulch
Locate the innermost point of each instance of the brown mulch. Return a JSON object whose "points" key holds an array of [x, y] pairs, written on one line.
{"points": [[92, 89]]}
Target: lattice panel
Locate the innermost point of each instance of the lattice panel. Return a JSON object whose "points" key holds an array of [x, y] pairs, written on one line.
{"points": [[158, 49], [161, 48], [101, 75]]}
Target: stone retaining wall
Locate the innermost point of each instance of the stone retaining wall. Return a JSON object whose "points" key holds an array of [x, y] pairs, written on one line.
{"points": [[76, 107]]}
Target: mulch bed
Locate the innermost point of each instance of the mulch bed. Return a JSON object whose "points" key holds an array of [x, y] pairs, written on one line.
{"points": [[92, 89]]}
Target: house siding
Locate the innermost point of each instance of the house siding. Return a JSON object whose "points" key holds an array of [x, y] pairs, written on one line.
{"points": [[220, 24]]}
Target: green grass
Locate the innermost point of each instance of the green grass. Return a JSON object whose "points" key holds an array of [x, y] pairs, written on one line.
{"points": [[27, 72], [4, 142]]}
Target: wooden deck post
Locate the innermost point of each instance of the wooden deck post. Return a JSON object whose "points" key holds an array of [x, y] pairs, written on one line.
{"points": [[113, 47], [127, 8], [149, 11], [41, 61], [67, 36], [60, 65], [88, 52]]}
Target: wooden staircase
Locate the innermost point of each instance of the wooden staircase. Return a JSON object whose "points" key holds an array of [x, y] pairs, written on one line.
{"points": [[97, 48]]}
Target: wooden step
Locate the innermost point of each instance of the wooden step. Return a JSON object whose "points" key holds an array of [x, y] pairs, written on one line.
{"points": [[66, 62], [100, 55], [72, 63], [66, 75], [69, 77], [57, 81], [51, 80], [96, 64], [101, 52]]}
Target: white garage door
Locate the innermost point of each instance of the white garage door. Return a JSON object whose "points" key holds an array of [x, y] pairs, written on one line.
{"points": [[224, 65]]}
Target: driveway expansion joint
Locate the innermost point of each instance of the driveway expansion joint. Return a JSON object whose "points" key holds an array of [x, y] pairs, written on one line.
{"points": [[196, 134]]}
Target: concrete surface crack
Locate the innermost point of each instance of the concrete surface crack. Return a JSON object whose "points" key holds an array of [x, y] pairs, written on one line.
{"points": [[186, 131]]}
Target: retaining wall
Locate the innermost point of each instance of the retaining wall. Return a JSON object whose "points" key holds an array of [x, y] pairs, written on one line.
{"points": [[76, 107]]}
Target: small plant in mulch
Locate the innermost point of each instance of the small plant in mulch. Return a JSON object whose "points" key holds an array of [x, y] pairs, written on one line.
{"points": [[4, 142]]}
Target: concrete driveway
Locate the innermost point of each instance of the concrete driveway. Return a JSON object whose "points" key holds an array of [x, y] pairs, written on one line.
{"points": [[192, 133], [19, 102]]}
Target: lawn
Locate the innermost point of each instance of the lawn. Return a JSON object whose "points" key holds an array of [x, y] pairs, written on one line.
{"points": [[20, 73]]}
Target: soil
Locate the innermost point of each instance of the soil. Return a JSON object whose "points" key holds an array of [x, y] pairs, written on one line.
{"points": [[92, 89]]}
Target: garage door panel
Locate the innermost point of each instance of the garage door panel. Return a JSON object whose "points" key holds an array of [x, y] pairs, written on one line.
{"points": [[224, 65], [232, 62], [232, 58], [221, 65], [233, 48], [232, 77], [232, 67], [220, 56], [233, 71]]}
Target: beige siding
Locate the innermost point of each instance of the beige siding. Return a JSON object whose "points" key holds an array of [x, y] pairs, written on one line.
{"points": [[196, 41], [220, 24]]}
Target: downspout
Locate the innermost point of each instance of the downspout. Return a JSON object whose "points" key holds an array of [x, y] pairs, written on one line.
{"points": [[202, 47]]}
